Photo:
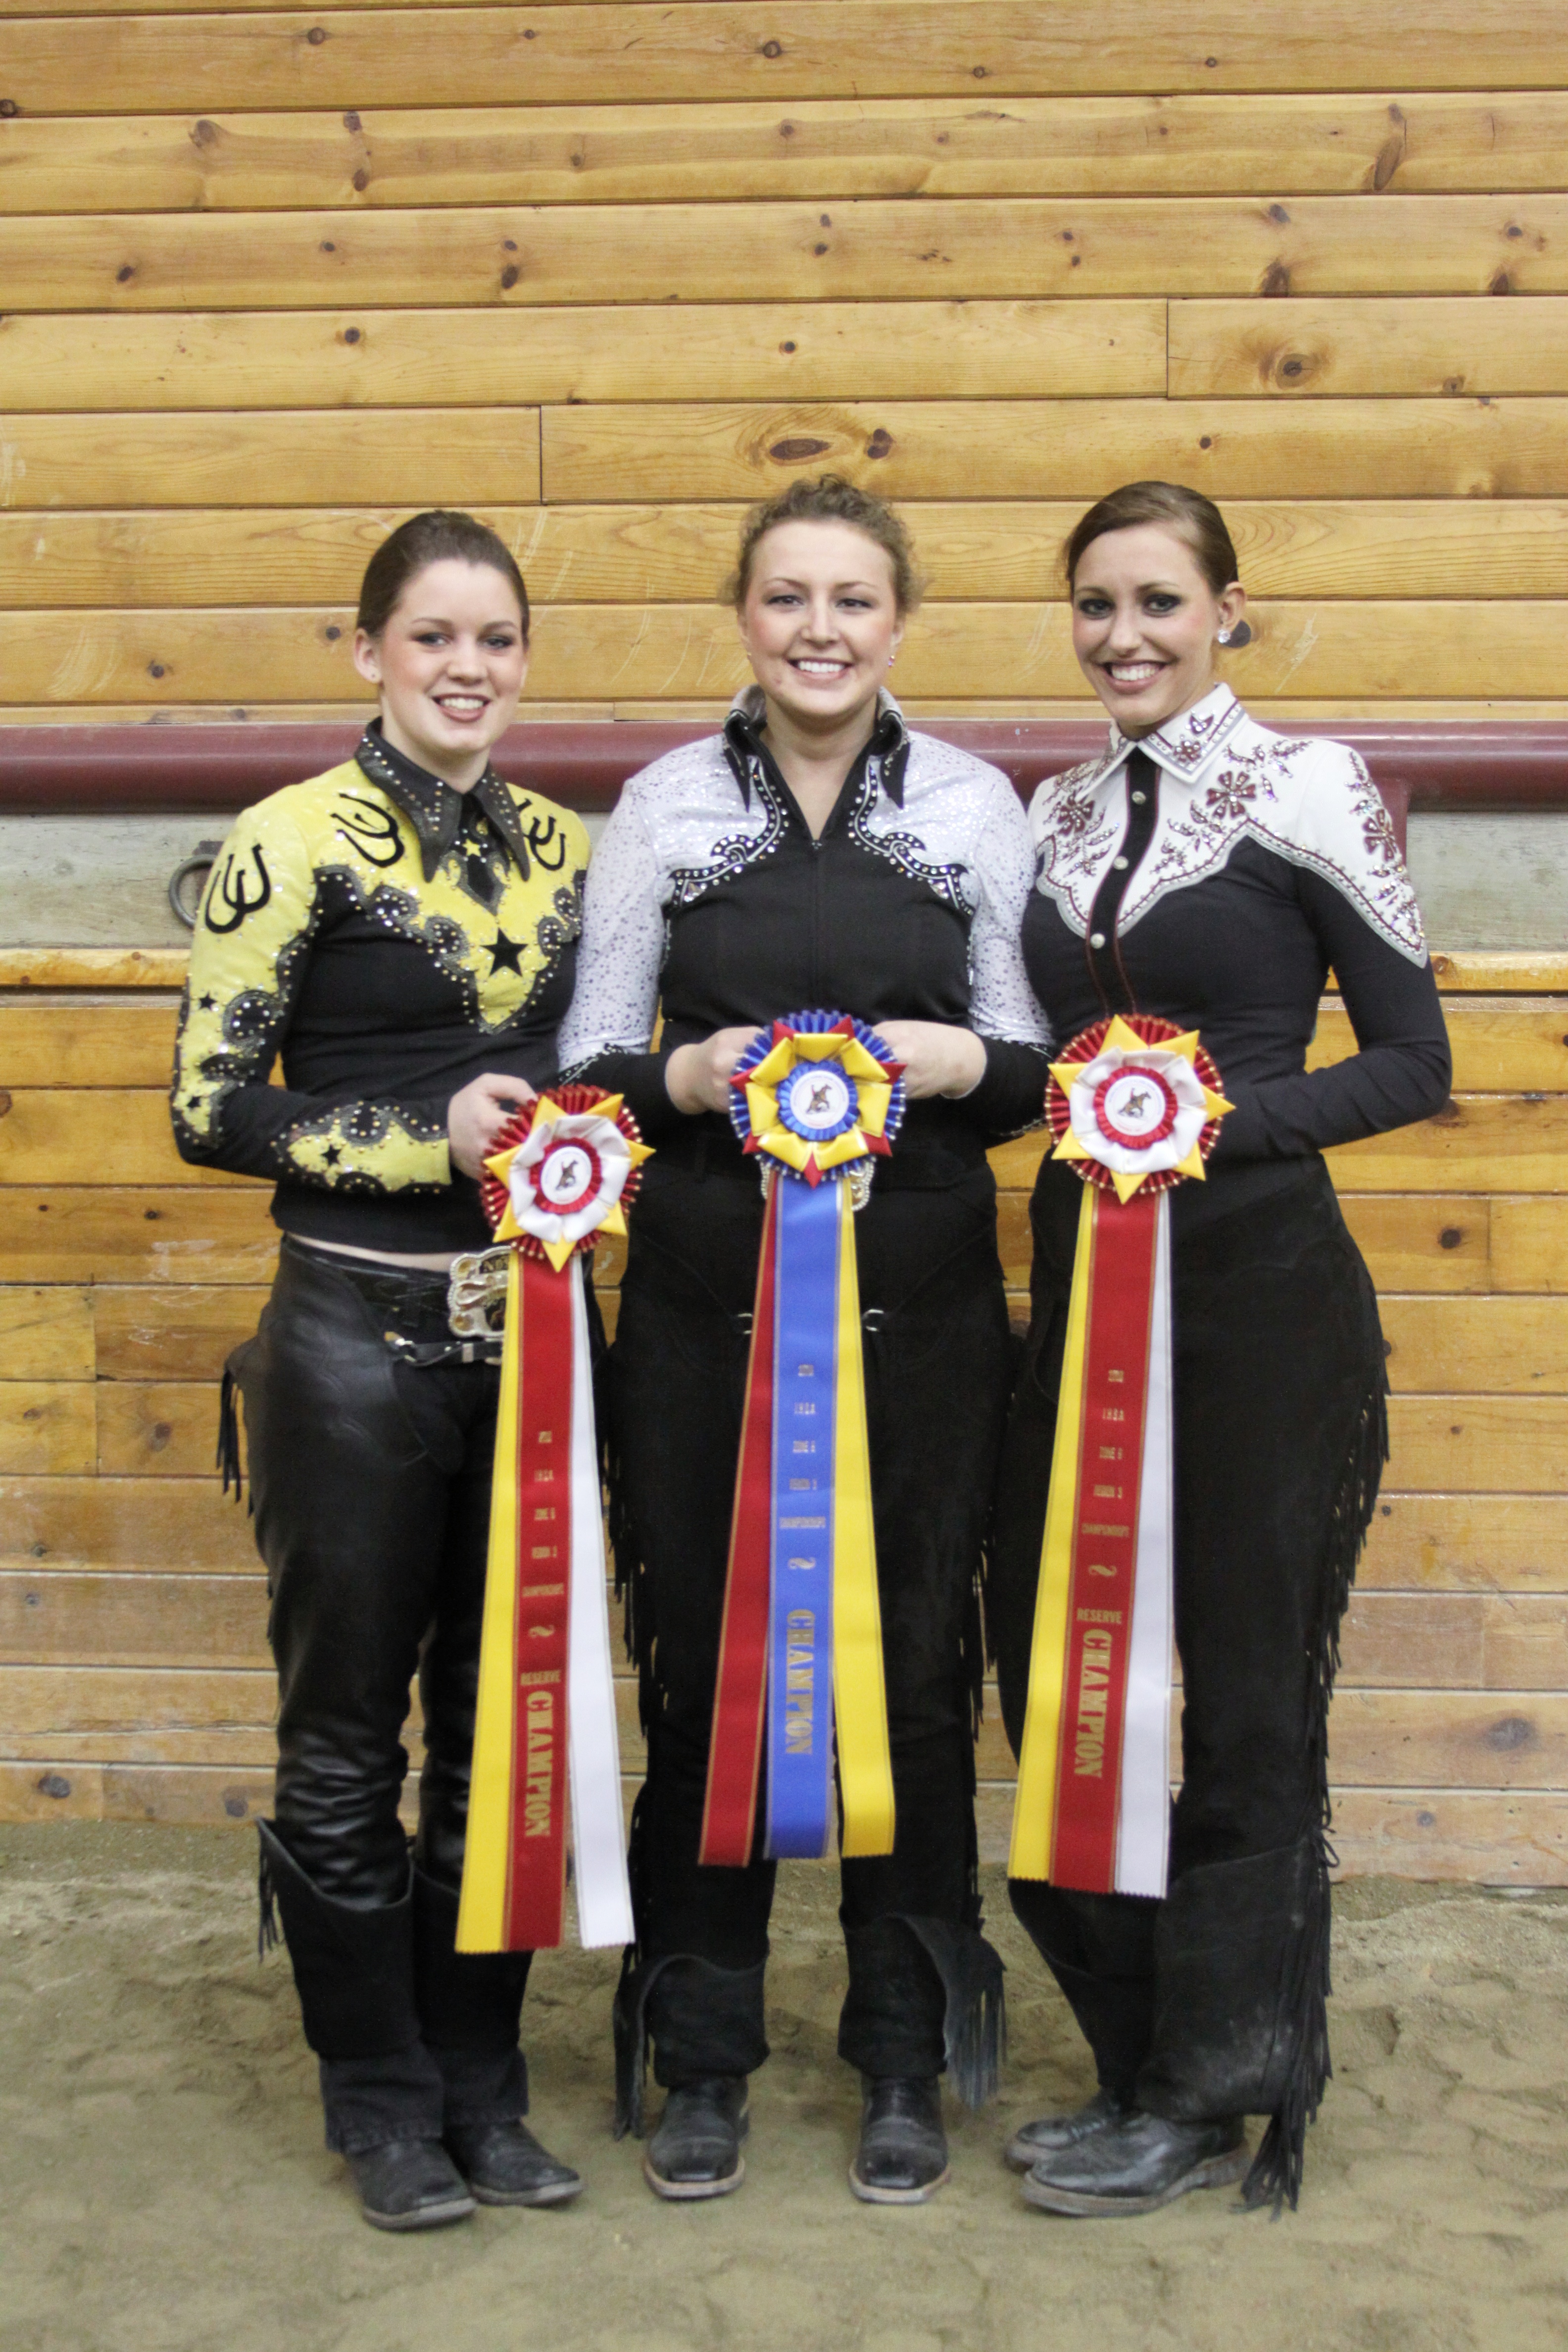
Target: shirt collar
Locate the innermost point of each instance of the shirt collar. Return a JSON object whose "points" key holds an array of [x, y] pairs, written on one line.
{"points": [[433, 808], [743, 741], [1183, 746]]}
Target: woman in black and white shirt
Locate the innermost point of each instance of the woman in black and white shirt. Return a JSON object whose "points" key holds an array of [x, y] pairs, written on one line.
{"points": [[1209, 871], [816, 855]]}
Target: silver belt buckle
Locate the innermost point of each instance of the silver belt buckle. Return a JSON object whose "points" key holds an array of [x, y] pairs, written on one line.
{"points": [[476, 1294]]}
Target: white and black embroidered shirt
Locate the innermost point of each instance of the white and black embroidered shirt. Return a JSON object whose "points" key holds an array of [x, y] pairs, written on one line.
{"points": [[708, 896], [1211, 873]]}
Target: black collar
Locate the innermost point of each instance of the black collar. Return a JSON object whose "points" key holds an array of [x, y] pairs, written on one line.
{"points": [[889, 746], [433, 808]]}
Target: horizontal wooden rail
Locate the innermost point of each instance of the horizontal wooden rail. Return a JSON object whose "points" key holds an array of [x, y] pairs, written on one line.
{"points": [[1505, 765]]}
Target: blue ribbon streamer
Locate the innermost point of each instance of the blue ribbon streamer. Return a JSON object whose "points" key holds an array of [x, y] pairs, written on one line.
{"points": [[800, 1649]]}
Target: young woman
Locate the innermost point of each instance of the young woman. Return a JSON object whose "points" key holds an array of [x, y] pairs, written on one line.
{"points": [[403, 932], [1209, 871], [816, 855]]}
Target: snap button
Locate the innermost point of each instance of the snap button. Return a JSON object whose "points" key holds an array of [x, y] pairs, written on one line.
{"points": [[1097, 939]]}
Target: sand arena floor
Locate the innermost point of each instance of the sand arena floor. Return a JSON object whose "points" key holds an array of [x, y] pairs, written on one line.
{"points": [[163, 2186]]}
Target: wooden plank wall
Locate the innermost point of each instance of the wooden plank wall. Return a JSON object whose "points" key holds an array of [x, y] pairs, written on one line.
{"points": [[134, 1680], [607, 269]]}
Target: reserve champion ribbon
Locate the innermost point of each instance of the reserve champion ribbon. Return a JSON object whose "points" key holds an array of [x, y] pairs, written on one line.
{"points": [[1134, 1105], [818, 1098], [562, 1172]]}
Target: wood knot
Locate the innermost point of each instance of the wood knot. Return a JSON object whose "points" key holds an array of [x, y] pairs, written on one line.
{"points": [[509, 277], [316, 36], [772, 48], [1509, 1734], [1276, 279], [9, 109], [1499, 282], [350, 334], [795, 452], [880, 444], [5, 1102], [204, 133], [350, 120]]}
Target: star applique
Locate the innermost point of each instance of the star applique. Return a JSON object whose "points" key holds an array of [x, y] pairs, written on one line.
{"points": [[331, 1155], [206, 1004], [506, 955]]}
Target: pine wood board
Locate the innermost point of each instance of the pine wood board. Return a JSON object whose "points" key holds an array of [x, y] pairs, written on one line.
{"points": [[1517, 1839], [161, 1429], [1426, 141], [1466, 1543], [1529, 1246], [869, 249], [137, 1714], [1487, 972], [1412, 1241], [131, 1620], [1495, 1143], [1478, 1444], [1392, 647], [48, 969], [184, 1334], [136, 1233], [203, 357], [96, 1135], [47, 1427], [127, 1618], [1520, 1838], [1517, 1044], [177, 1526], [1501, 1345], [198, 1796], [46, 1334], [1398, 349], [1403, 1739], [452, 457], [118, 1040], [711, 49], [1419, 1242], [1480, 1143], [1229, 449], [994, 551]]}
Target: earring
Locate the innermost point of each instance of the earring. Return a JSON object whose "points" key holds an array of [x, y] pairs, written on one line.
{"points": [[891, 659], [1225, 636], [1238, 636]]}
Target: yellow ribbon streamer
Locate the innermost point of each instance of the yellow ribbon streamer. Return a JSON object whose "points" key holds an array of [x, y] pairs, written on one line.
{"points": [[860, 1686], [482, 1909]]}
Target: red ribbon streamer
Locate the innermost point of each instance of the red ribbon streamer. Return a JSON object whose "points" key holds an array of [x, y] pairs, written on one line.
{"points": [[537, 1877], [1105, 1541], [740, 1706]]}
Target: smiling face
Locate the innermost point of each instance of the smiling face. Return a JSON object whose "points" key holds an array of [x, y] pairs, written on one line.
{"points": [[1145, 622], [820, 621], [449, 664]]}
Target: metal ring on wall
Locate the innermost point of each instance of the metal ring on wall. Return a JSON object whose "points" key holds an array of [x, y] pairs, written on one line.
{"points": [[199, 862]]}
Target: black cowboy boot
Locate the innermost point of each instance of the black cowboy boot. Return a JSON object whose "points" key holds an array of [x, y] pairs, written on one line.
{"points": [[1242, 1956], [1135, 2163], [902, 2156], [469, 2007], [353, 1969], [1108, 1984], [695, 2150]]}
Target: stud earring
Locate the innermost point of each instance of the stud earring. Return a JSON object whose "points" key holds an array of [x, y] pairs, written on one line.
{"points": [[891, 659], [1238, 636], [1225, 636]]}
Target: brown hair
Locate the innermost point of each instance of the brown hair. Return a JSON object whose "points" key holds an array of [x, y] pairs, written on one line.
{"points": [[1196, 521], [424, 539], [830, 499]]}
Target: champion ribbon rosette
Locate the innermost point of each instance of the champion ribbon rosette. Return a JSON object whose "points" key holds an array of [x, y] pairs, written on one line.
{"points": [[816, 1099], [562, 1172], [1134, 1105]]}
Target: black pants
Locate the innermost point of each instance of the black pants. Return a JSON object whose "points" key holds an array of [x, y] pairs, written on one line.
{"points": [[1279, 1440], [937, 1368], [370, 1482]]}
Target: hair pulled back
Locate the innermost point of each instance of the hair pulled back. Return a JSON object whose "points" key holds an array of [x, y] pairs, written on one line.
{"points": [[1195, 520], [432, 538], [830, 499]]}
